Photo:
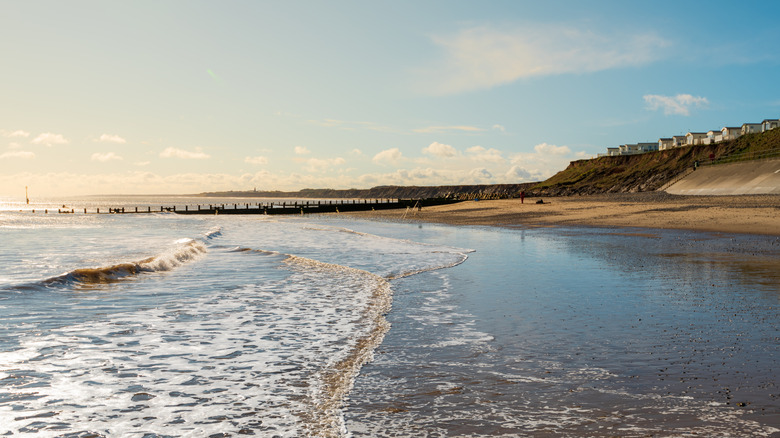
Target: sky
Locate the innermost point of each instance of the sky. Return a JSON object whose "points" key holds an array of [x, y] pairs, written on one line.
{"points": [[184, 96]]}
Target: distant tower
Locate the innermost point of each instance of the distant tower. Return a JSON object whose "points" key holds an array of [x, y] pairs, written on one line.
{"points": [[26, 196]]}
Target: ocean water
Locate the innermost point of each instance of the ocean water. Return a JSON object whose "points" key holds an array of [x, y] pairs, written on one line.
{"points": [[166, 325]]}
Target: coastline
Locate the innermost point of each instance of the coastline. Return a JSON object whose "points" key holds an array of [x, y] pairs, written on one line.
{"points": [[738, 214]]}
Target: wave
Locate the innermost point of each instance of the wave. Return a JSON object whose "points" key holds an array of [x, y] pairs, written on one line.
{"points": [[334, 382], [185, 250], [463, 258], [214, 232]]}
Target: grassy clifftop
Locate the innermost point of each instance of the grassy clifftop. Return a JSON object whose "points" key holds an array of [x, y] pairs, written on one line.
{"points": [[650, 171]]}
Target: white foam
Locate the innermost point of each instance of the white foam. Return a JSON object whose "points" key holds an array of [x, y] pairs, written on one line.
{"points": [[265, 350]]}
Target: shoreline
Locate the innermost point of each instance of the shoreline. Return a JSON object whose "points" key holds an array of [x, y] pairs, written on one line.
{"points": [[735, 214]]}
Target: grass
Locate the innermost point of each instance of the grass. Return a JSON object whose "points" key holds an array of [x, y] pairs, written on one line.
{"points": [[650, 171]]}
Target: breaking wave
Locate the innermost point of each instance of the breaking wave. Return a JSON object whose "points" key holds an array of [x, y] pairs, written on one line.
{"points": [[185, 251], [334, 382]]}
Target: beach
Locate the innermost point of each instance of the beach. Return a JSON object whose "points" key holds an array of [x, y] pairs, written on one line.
{"points": [[337, 325], [750, 214]]}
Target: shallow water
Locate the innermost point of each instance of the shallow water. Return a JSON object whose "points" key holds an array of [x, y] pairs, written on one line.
{"points": [[166, 325], [569, 332]]}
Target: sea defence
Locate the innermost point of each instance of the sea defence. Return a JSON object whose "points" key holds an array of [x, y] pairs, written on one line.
{"points": [[307, 207], [265, 208], [744, 178]]}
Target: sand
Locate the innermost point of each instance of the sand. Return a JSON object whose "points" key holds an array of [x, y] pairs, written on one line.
{"points": [[752, 214]]}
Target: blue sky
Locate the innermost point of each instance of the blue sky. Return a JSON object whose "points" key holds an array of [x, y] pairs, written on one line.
{"points": [[149, 97]]}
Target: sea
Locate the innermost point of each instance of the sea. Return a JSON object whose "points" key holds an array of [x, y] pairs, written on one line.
{"points": [[167, 325]]}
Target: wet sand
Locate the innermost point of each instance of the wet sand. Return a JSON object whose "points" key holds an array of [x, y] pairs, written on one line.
{"points": [[576, 332], [752, 214]]}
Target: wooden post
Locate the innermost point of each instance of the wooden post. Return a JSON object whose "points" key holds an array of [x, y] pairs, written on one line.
{"points": [[136, 209], [85, 211], [46, 211], [98, 211], [186, 208], [149, 209]]}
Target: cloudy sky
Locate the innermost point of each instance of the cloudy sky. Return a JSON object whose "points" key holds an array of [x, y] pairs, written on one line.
{"points": [[166, 97]]}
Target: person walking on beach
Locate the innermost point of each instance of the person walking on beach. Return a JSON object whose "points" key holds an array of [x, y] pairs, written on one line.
{"points": [[522, 197]]}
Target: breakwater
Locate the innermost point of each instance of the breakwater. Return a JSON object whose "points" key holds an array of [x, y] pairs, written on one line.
{"points": [[267, 208]]}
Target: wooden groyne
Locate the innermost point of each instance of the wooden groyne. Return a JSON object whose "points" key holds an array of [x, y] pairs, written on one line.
{"points": [[266, 208], [310, 207]]}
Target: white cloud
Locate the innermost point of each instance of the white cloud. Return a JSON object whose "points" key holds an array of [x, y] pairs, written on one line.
{"points": [[544, 162], [519, 174], [440, 129], [322, 164], [186, 155], [356, 152], [478, 153], [13, 145], [499, 127], [50, 139], [483, 57], [110, 156], [551, 149], [108, 138], [300, 150], [440, 150], [17, 133], [256, 160], [481, 174], [680, 104], [18, 154], [392, 155]]}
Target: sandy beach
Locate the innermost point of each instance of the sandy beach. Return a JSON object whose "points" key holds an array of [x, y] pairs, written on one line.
{"points": [[753, 214]]}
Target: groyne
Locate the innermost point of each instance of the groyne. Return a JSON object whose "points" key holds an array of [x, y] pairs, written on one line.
{"points": [[265, 208]]}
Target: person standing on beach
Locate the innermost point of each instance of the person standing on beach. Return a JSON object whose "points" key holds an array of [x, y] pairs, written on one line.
{"points": [[522, 197]]}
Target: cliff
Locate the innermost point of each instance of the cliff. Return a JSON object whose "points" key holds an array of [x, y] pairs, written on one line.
{"points": [[650, 171]]}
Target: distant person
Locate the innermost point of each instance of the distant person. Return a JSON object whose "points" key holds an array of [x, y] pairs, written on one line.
{"points": [[522, 197]]}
